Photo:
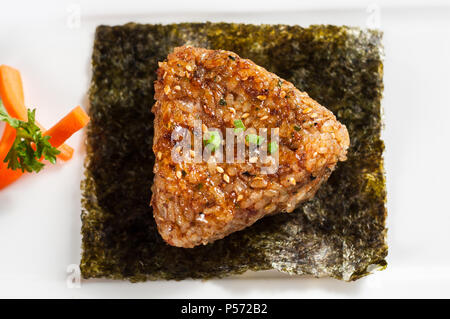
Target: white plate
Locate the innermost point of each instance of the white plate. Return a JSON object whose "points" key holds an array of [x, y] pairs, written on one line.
{"points": [[40, 216]]}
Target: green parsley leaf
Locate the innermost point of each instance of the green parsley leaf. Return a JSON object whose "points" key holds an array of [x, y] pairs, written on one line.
{"points": [[29, 146]]}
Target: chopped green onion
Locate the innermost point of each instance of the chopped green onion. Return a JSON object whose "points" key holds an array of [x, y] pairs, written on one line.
{"points": [[272, 147], [297, 128], [213, 141], [238, 126], [254, 139]]}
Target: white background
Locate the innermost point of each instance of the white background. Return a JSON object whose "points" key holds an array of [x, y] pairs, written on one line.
{"points": [[40, 215]]}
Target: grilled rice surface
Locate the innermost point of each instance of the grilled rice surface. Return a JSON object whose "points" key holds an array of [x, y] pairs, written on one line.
{"points": [[198, 203]]}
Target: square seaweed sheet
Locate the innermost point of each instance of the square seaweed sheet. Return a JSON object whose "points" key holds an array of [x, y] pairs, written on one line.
{"points": [[340, 233]]}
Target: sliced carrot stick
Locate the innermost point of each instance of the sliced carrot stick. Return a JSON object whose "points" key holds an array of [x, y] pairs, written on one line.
{"points": [[9, 135], [8, 176], [11, 93], [69, 124], [66, 152], [7, 140], [59, 133]]}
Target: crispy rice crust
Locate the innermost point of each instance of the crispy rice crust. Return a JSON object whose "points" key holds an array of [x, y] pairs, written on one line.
{"points": [[198, 203]]}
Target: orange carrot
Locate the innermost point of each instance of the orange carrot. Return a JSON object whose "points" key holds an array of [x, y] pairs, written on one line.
{"points": [[11, 93], [69, 124], [66, 152], [7, 140], [60, 132], [8, 176]]}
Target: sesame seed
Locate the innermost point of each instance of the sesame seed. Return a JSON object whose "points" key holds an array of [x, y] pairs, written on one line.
{"points": [[177, 87], [327, 128], [178, 174], [189, 68], [314, 115], [307, 110], [226, 178], [159, 155], [232, 110], [245, 115], [283, 94], [292, 181], [240, 197], [167, 89], [265, 117], [315, 154], [219, 169], [261, 97], [201, 218]]}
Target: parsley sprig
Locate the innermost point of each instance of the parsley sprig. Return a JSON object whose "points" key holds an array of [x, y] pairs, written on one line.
{"points": [[29, 146]]}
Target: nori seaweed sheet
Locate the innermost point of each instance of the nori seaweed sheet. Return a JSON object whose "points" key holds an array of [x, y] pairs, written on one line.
{"points": [[340, 233]]}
